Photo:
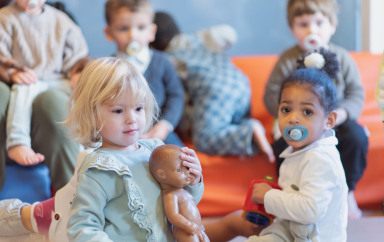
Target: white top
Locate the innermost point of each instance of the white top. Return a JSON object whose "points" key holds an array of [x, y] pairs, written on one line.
{"points": [[314, 189]]}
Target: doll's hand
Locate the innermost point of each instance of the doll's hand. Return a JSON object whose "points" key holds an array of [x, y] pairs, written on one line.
{"points": [[192, 162], [160, 130], [26, 76], [259, 191]]}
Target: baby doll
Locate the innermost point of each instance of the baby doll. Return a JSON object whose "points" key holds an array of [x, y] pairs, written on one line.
{"points": [[180, 208]]}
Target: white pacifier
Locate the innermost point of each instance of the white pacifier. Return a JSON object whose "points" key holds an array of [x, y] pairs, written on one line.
{"points": [[133, 48], [295, 133], [33, 3], [312, 42]]}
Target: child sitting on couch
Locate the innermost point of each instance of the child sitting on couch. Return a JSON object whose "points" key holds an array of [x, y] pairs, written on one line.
{"points": [[219, 93]]}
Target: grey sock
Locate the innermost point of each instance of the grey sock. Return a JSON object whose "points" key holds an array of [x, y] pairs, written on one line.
{"points": [[10, 218]]}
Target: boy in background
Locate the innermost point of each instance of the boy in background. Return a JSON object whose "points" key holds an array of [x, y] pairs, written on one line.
{"points": [[130, 26], [313, 23]]}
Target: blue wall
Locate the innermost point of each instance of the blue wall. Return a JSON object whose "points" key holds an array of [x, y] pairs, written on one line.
{"points": [[260, 24]]}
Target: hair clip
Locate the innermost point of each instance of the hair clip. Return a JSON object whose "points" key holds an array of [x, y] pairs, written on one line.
{"points": [[314, 60]]}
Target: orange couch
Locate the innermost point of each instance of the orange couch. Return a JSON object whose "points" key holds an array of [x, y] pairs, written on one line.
{"points": [[227, 177]]}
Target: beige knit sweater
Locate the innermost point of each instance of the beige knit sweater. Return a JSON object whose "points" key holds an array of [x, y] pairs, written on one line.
{"points": [[49, 43]]}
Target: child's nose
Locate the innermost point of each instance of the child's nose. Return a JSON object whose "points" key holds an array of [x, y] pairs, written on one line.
{"points": [[129, 117], [294, 118]]}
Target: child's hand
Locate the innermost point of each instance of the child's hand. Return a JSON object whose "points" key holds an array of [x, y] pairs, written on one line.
{"points": [[259, 191], [25, 76], [160, 130], [192, 162]]}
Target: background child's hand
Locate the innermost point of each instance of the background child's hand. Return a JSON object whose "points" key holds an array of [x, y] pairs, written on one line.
{"points": [[160, 130], [192, 162], [259, 191], [25, 76]]}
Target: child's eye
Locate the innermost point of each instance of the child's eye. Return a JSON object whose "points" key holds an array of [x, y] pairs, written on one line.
{"points": [[117, 110], [307, 112], [142, 27], [122, 29], [285, 109], [303, 24], [139, 108]]}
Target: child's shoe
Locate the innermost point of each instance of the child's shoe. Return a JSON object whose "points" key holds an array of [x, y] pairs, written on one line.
{"points": [[354, 211], [10, 218]]}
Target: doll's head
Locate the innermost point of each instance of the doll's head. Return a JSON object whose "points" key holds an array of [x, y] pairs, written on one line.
{"points": [[307, 99], [313, 22], [109, 93], [167, 28], [167, 168]]}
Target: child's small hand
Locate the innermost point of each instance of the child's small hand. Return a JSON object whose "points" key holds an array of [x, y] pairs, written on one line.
{"points": [[26, 76], [259, 191], [192, 162]]}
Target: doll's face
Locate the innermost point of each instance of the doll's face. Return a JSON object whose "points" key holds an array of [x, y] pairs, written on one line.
{"points": [[315, 26], [167, 167]]}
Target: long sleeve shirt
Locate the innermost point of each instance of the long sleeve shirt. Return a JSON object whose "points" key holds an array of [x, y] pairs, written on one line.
{"points": [[49, 43]]}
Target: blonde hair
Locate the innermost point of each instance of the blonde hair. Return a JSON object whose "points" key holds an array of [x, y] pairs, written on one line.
{"points": [[112, 6], [328, 8], [103, 80]]}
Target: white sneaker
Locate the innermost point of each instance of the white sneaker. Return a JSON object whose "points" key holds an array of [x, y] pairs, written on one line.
{"points": [[354, 211]]}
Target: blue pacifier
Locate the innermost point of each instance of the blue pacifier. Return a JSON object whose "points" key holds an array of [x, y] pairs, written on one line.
{"points": [[295, 133]]}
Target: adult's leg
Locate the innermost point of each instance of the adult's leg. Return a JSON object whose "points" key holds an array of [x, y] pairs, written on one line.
{"points": [[50, 136], [4, 99]]}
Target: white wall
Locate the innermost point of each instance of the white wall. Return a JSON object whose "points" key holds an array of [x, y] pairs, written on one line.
{"points": [[373, 25]]}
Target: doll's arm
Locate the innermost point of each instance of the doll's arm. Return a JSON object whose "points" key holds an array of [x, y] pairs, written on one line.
{"points": [[171, 209]]}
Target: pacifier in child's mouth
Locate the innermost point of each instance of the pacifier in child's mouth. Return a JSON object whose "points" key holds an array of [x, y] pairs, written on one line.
{"points": [[133, 48], [312, 42], [295, 133], [32, 3]]}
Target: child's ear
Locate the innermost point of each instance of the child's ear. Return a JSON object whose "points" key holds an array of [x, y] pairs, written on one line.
{"points": [[331, 120], [161, 174], [107, 33], [153, 32]]}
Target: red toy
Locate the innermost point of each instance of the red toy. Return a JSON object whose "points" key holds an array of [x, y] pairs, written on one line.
{"points": [[255, 212]]}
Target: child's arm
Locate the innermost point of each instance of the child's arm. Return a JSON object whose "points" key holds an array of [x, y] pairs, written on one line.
{"points": [[13, 72], [75, 49], [285, 65], [173, 107], [87, 218], [308, 199], [353, 99]]}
